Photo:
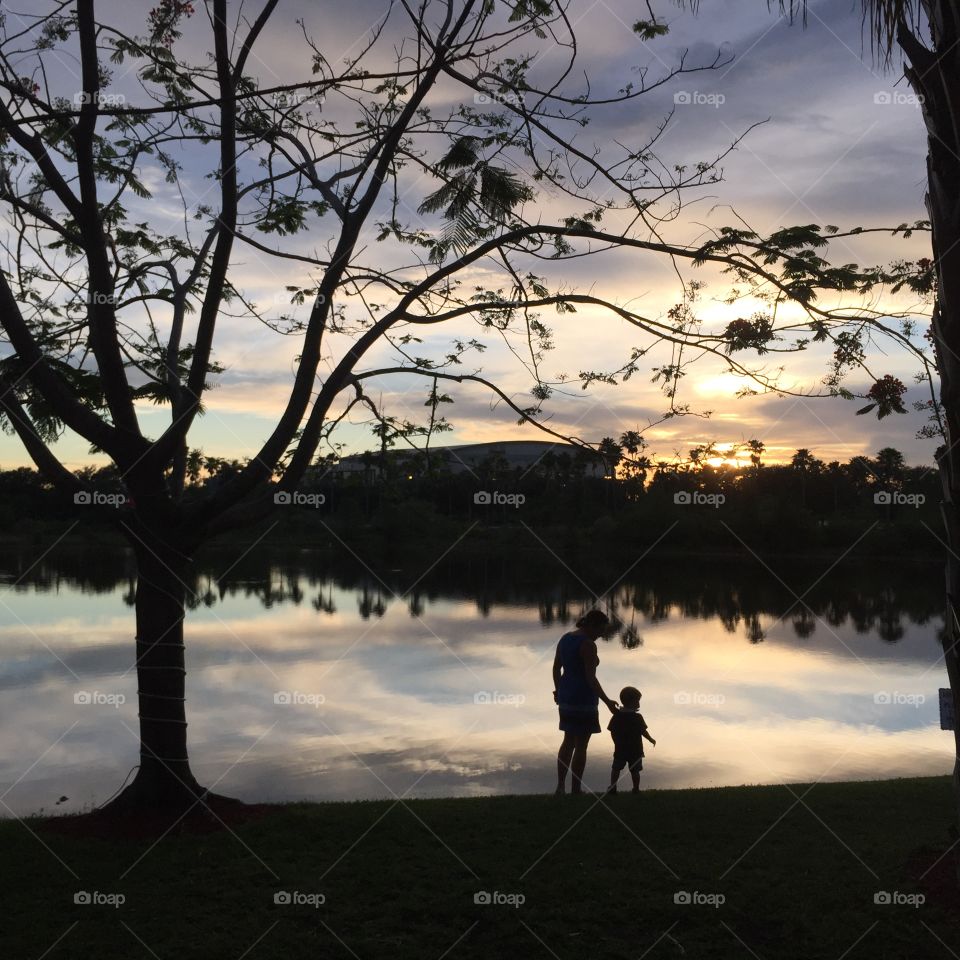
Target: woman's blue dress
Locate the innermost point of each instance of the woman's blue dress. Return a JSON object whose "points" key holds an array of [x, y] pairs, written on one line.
{"points": [[577, 700]]}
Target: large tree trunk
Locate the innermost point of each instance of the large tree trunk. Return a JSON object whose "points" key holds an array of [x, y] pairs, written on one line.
{"points": [[164, 781], [934, 74]]}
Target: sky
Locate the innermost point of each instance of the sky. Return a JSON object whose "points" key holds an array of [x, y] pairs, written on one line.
{"points": [[840, 141], [452, 701]]}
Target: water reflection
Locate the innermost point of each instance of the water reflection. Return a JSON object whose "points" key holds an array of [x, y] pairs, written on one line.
{"points": [[308, 683]]}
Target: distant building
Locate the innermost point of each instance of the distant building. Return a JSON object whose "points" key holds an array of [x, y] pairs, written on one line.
{"points": [[466, 457]]}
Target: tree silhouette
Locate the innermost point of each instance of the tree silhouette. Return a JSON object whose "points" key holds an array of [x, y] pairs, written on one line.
{"points": [[103, 311]]}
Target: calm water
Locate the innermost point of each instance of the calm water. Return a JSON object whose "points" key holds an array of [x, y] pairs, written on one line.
{"points": [[446, 690]]}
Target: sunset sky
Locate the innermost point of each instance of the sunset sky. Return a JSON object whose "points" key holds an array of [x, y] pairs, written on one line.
{"points": [[843, 144]]}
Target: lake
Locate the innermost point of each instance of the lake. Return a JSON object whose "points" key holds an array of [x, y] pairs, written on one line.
{"points": [[306, 682]]}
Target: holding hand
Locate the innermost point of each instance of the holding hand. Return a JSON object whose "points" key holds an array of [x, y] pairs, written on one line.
{"points": [[612, 705]]}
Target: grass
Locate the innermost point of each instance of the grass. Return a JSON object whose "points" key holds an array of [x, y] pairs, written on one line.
{"points": [[798, 867]]}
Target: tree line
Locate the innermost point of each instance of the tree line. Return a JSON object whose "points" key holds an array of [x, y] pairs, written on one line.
{"points": [[707, 498]]}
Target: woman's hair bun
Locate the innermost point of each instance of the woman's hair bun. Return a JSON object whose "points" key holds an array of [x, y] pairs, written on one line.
{"points": [[593, 618]]}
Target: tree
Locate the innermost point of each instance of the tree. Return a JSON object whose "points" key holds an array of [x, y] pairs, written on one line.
{"points": [[890, 467], [805, 463], [611, 455], [926, 33], [933, 70], [102, 310]]}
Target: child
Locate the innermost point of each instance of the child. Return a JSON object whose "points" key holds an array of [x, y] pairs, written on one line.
{"points": [[629, 730]]}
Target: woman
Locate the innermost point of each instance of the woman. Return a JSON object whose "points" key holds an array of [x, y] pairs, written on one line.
{"points": [[577, 694]]}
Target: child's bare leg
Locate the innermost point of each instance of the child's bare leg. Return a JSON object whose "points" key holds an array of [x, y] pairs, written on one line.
{"points": [[635, 776], [614, 776]]}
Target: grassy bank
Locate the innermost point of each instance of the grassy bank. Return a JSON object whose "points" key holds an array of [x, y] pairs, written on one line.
{"points": [[797, 868]]}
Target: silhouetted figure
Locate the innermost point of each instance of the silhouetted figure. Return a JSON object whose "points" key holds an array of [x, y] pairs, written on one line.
{"points": [[577, 693], [629, 730]]}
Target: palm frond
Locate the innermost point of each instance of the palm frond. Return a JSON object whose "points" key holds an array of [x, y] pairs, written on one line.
{"points": [[881, 18]]}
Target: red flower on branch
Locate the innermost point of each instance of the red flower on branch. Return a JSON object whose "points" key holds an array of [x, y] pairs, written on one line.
{"points": [[886, 395]]}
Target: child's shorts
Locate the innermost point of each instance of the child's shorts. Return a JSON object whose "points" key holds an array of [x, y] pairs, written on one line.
{"points": [[619, 762]]}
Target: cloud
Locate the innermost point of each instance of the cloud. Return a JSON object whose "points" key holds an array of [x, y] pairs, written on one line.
{"points": [[453, 704], [839, 142]]}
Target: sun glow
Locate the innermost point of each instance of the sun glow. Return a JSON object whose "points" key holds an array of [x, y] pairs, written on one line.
{"points": [[729, 455], [722, 385]]}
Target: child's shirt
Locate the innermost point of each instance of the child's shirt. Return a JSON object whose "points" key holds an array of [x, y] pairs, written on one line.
{"points": [[627, 729]]}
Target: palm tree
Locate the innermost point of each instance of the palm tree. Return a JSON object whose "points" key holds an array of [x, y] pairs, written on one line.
{"points": [[611, 454], [805, 464], [932, 67], [860, 472], [933, 70], [890, 466]]}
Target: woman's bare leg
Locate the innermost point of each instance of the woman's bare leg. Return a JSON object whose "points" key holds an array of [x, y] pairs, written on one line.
{"points": [[578, 762], [563, 761]]}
